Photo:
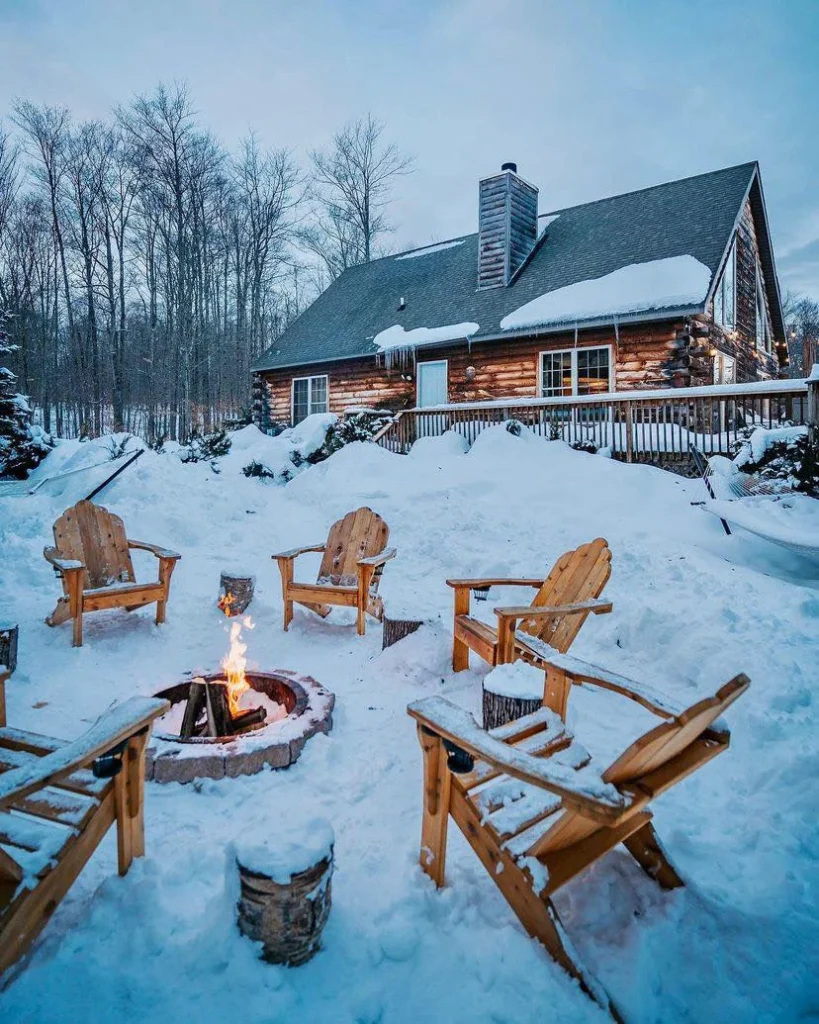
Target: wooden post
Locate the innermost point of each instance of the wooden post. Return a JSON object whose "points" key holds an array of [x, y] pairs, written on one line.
{"points": [[812, 416], [9, 635], [629, 435]]}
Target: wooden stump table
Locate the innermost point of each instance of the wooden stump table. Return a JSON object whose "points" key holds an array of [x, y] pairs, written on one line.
{"points": [[285, 890], [397, 629], [510, 692], [235, 592]]}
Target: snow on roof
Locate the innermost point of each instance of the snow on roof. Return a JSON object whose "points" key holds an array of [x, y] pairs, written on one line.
{"points": [[427, 250], [396, 337], [669, 283]]}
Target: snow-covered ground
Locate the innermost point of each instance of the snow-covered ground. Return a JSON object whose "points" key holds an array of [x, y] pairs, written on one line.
{"points": [[692, 608]]}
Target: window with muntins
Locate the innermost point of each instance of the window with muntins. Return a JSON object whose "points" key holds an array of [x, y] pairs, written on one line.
{"points": [[576, 371], [309, 396], [725, 295]]}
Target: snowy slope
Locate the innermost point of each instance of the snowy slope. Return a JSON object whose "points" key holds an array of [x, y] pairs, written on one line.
{"points": [[691, 608]]}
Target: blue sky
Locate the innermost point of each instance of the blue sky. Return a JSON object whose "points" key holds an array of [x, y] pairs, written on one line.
{"points": [[590, 98]]}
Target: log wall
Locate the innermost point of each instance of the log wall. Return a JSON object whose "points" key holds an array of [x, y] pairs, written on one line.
{"points": [[645, 357]]}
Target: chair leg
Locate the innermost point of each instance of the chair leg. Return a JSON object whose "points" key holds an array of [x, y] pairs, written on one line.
{"points": [[537, 915], [437, 781], [645, 847], [460, 651], [125, 837], [75, 585], [288, 614]]}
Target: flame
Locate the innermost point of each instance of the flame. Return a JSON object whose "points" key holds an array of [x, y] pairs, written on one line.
{"points": [[234, 664], [225, 602]]}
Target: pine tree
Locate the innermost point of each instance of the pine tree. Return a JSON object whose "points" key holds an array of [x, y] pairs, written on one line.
{"points": [[22, 447]]}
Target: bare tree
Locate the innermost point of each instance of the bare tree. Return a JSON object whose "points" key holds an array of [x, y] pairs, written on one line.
{"points": [[352, 185], [802, 318]]}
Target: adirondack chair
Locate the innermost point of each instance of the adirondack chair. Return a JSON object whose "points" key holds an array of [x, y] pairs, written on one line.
{"points": [[354, 558], [92, 556], [537, 811], [54, 812], [568, 595]]}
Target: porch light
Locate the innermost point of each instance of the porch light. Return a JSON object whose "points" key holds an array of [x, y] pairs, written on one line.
{"points": [[470, 373]]}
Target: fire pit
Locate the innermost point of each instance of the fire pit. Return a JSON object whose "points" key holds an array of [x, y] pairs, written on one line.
{"points": [[235, 722]]}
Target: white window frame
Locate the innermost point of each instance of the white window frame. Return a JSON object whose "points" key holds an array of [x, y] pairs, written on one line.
{"points": [[732, 262], [430, 362], [310, 379], [573, 352]]}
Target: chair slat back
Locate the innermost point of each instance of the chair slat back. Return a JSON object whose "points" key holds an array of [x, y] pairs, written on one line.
{"points": [[96, 537], [651, 751], [659, 745], [360, 534], [578, 575]]}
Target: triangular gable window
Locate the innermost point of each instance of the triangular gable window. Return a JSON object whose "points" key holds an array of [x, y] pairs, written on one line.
{"points": [[725, 295]]}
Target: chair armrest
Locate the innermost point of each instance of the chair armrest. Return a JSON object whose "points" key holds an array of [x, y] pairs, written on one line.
{"points": [[580, 672], [141, 545], [295, 552], [581, 789], [63, 564], [596, 607], [375, 560], [118, 724], [478, 584]]}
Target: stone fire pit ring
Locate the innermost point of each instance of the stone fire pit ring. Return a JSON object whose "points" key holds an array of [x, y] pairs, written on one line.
{"points": [[274, 744]]}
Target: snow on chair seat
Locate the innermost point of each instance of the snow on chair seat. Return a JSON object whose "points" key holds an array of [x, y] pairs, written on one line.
{"points": [[54, 811]]}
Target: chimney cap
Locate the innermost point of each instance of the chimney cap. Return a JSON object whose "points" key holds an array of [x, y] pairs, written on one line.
{"points": [[510, 166]]}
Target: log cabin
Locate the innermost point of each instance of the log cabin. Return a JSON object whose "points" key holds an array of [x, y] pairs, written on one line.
{"points": [[669, 286]]}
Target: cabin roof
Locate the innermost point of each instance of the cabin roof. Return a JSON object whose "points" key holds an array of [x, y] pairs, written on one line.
{"points": [[438, 283]]}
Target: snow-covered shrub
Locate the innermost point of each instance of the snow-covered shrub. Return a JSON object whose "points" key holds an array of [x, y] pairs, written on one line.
{"points": [[584, 446], [117, 445], [514, 427], [201, 447], [157, 443], [259, 470], [784, 455], [358, 426], [22, 446]]}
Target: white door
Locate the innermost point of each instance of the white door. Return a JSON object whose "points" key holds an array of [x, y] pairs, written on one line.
{"points": [[432, 389]]}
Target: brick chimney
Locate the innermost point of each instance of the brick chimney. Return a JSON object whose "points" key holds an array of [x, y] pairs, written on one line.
{"points": [[507, 225]]}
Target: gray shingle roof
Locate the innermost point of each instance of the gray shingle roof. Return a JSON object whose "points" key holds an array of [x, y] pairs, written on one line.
{"points": [[693, 216]]}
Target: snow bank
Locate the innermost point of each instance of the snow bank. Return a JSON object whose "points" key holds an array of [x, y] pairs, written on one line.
{"points": [[762, 439], [676, 281], [692, 608], [790, 520]]}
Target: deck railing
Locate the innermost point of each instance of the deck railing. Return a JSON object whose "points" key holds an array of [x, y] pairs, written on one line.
{"points": [[636, 426]]}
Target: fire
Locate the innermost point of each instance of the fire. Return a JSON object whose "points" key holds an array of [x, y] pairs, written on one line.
{"points": [[234, 665], [225, 602]]}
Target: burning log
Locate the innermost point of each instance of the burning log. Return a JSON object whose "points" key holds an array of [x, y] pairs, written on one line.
{"points": [[194, 707], [217, 707], [247, 719]]}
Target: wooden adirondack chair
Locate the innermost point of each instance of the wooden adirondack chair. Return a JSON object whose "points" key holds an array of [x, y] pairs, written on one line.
{"points": [[564, 600], [527, 798], [93, 557], [354, 558], [54, 812]]}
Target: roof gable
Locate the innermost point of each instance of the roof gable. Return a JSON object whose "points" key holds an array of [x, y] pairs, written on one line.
{"points": [[438, 283]]}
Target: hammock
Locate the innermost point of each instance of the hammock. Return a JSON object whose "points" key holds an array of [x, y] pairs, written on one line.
{"points": [[791, 520]]}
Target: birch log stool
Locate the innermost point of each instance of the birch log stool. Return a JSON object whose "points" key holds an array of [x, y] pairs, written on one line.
{"points": [[511, 691], [285, 890], [8, 646], [235, 592]]}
